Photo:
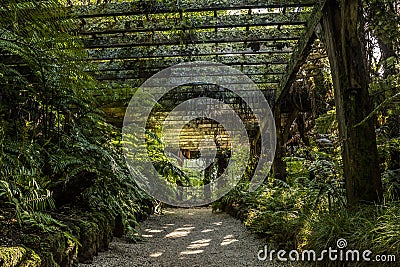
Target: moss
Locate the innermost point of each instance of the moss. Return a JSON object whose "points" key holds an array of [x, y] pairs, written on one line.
{"points": [[89, 238], [58, 247], [18, 256], [55, 248], [11, 256], [105, 225]]}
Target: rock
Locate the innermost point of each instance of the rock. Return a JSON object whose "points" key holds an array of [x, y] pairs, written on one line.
{"points": [[78, 239], [89, 238]]}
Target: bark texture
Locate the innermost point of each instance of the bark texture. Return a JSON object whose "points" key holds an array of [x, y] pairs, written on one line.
{"points": [[342, 26]]}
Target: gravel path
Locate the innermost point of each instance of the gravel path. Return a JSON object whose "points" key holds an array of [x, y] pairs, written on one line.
{"points": [[187, 237]]}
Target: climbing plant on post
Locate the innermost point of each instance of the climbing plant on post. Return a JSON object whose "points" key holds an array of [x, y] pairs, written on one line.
{"points": [[342, 26]]}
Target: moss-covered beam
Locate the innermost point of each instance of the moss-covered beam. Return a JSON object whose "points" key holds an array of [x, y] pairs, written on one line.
{"points": [[155, 7], [186, 53], [151, 65], [135, 24], [272, 46], [194, 37], [155, 64], [129, 74], [302, 50], [248, 64], [257, 79], [128, 86]]}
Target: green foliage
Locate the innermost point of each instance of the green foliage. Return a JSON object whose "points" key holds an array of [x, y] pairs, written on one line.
{"points": [[309, 210], [51, 131], [373, 228], [19, 184], [297, 215], [327, 123], [278, 209], [164, 167], [389, 152]]}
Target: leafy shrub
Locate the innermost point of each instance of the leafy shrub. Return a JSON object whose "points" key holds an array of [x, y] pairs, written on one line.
{"points": [[51, 130]]}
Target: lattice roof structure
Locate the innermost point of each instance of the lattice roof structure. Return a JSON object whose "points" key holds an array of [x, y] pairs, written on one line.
{"points": [[266, 40]]}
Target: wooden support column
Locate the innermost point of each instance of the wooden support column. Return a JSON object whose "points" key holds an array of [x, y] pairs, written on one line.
{"points": [[298, 58], [279, 166], [342, 26], [282, 135]]}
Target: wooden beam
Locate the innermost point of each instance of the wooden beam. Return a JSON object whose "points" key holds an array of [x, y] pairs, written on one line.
{"points": [[123, 75], [194, 21], [131, 84], [156, 7], [146, 73], [191, 37], [280, 45], [238, 58], [235, 60], [156, 65], [302, 50], [257, 79]]}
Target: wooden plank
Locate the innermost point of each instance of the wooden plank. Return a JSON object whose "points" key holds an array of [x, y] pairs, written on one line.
{"points": [[138, 81], [301, 52], [193, 37], [141, 23], [190, 55], [123, 75], [131, 84], [156, 7], [123, 40], [247, 61], [156, 65]]}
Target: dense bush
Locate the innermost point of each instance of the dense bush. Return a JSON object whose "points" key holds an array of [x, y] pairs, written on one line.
{"points": [[55, 147]]}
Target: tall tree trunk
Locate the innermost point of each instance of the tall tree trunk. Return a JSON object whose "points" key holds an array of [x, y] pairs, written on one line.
{"points": [[342, 26]]}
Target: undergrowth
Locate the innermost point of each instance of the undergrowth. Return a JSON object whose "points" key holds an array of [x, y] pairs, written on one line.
{"points": [[309, 212], [53, 139]]}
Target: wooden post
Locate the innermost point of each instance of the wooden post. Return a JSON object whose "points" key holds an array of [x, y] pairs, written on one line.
{"points": [[279, 166], [342, 26]]}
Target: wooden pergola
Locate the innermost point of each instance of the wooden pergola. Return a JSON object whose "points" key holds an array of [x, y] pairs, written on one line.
{"points": [[267, 40]]}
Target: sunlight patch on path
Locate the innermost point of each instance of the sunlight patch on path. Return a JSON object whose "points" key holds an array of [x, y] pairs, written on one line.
{"points": [[187, 237]]}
